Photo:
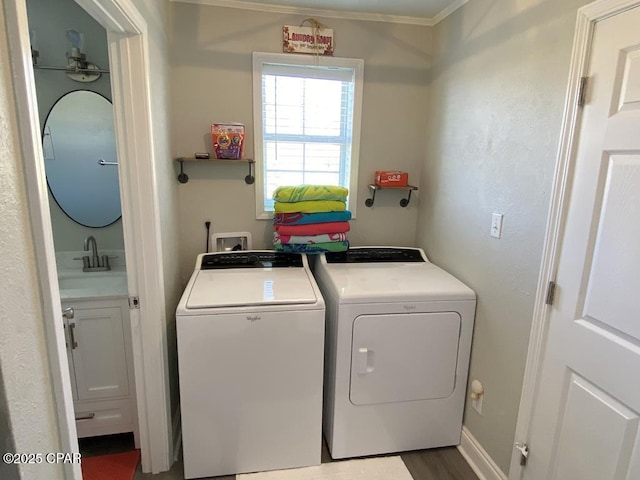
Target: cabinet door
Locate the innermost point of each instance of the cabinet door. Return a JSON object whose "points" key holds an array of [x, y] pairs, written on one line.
{"points": [[99, 358]]}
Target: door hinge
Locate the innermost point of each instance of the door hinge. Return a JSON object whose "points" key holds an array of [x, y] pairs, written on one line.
{"points": [[582, 91], [551, 292], [523, 448], [134, 302]]}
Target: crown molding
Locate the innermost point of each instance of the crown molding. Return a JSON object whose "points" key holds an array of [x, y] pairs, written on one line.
{"points": [[447, 11], [349, 15]]}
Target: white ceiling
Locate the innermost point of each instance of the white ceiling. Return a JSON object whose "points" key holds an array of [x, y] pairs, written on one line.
{"points": [[421, 12]]}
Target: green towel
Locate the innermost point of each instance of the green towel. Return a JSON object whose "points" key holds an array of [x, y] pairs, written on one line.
{"points": [[311, 206], [301, 193], [312, 247]]}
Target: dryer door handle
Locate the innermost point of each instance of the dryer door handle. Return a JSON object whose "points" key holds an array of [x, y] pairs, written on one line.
{"points": [[366, 359]]}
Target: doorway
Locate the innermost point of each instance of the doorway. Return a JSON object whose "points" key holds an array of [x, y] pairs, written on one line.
{"points": [[128, 52], [81, 164], [579, 410]]}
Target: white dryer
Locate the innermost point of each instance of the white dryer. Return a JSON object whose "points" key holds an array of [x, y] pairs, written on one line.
{"points": [[250, 328], [397, 351]]}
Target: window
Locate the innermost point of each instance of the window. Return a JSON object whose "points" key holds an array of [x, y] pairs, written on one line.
{"points": [[306, 123]]}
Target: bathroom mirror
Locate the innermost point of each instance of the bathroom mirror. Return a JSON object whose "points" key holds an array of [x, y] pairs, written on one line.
{"points": [[79, 146]]}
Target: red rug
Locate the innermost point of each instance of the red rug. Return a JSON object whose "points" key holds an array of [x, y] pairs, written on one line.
{"points": [[117, 466]]}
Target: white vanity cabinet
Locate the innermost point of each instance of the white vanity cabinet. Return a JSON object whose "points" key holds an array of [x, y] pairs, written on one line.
{"points": [[101, 366]]}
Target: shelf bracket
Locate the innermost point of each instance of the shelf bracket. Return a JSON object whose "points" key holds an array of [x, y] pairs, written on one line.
{"points": [[370, 201], [405, 201], [249, 179], [182, 177]]}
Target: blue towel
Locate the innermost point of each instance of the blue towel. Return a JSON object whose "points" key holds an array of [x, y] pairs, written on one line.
{"points": [[299, 218]]}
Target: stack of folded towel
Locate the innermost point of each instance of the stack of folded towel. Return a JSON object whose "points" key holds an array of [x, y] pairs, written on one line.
{"points": [[311, 219]]}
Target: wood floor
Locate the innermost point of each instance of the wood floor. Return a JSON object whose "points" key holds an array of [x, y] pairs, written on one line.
{"points": [[435, 464]]}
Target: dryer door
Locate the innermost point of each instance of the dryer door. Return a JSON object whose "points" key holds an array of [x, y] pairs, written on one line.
{"points": [[403, 357]]}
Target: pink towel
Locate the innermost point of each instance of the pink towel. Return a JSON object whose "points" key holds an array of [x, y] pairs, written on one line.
{"points": [[313, 228]]}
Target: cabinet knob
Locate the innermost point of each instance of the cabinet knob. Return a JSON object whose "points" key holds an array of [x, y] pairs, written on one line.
{"points": [[68, 313]]}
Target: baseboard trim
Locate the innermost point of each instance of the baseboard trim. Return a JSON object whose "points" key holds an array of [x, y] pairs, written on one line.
{"points": [[478, 459], [177, 433]]}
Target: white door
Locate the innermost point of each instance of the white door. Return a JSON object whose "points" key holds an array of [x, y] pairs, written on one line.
{"points": [[585, 423]]}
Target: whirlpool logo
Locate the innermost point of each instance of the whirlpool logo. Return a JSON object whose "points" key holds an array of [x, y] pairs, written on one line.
{"points": [[254, 318]]}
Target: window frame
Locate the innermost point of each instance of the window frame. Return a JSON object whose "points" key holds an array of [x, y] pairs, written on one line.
{"points": [[261, 58]]}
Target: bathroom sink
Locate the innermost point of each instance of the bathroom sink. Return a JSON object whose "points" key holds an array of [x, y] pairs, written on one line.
{"points": [[92, 284]]}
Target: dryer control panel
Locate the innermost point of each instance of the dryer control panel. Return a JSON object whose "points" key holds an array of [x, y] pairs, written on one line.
{"points": [[376, 255], [249, 259]]}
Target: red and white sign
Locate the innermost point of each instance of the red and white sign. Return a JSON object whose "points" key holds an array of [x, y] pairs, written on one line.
{"points": [[391, 178], [318, 41]]}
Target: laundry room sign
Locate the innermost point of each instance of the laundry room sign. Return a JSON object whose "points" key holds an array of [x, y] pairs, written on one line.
{"points": [[314, 40]]}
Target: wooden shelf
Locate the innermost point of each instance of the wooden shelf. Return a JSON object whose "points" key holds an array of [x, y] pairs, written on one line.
{"points": [[184, 178], [374, 188], [222, 160]]}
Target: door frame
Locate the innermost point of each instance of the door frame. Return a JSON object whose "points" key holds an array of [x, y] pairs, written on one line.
{"points": [[588, 16], [127, 38]]}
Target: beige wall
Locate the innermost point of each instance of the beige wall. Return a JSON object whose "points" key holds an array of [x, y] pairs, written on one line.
{"points": [[24, 366], [497, 94], [212, 82]]}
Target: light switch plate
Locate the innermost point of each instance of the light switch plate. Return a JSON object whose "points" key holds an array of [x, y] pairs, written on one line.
{"points": [[496, 225]]}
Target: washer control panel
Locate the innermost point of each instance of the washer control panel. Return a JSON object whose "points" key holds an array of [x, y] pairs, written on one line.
{"points": [[249, 259]]}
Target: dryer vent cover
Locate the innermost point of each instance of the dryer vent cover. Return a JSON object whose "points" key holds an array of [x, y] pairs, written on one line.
{"points": [[230, 241]]}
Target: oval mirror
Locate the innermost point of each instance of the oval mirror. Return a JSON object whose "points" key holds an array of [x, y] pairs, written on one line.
{"points": [[80, 159]]}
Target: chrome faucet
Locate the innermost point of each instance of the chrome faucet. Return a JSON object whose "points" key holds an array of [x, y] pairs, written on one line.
{"points": [[91, 240], [94, 263]]}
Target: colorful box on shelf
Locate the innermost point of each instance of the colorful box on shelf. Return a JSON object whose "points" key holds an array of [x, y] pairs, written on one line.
{"points": [[388, 178], [228, 140]]}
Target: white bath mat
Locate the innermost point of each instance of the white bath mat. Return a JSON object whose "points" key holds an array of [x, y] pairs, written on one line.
{"points": [[379, 468]]}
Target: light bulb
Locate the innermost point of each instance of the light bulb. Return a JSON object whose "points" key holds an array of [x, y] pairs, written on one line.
{"points": [[76, 40]]}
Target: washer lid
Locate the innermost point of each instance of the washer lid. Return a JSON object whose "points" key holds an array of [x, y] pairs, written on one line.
{"points": [[247, 287], [395, 282]]}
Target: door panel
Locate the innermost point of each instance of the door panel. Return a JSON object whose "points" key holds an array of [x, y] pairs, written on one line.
{"points": [[404, 357], [594, 422], [630, 89], [585, 423], [612, 293]]}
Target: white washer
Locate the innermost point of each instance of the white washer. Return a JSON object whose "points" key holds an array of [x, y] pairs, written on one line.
{"points": [[397, 350], [250, 329]]}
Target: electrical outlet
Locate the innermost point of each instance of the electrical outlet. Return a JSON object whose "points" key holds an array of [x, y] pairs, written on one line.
{"points": [[476, 404], [496, 225]]}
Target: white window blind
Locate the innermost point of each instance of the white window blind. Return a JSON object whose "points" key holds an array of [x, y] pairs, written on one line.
{"points": [[307, 123]]}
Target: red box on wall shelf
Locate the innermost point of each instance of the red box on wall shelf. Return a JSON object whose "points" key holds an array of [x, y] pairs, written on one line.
{"points": [[389, 178]]}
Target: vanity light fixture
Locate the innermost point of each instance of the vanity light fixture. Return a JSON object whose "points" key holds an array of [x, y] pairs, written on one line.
{"points": [[77, 68]]}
